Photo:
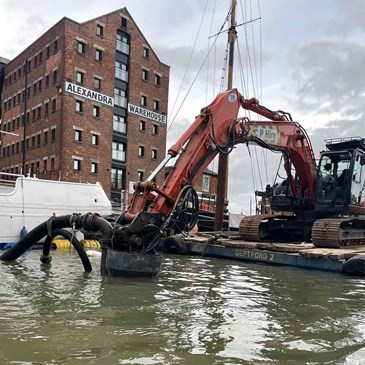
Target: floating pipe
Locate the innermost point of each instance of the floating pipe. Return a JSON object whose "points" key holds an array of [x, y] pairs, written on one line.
{"points": [[36, 234], [46, 258], [88, 221]]}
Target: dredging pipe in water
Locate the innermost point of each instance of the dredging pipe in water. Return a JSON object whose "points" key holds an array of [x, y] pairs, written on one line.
{"points": [[118, 258]]}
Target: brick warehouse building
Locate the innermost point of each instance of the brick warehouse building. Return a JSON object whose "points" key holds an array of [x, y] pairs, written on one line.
{"points": [[94, 100]]}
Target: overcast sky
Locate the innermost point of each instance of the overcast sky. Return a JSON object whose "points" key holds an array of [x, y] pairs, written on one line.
{"points": [[306, 57]]}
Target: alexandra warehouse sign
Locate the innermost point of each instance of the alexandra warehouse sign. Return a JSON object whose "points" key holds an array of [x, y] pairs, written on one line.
{"points": [[142, 112], [88, 94]]}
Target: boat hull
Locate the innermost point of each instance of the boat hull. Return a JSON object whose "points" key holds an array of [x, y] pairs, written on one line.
{"points": [[32, 201]]}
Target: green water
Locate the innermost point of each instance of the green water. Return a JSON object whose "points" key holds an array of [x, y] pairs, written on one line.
{"points": [[197, 311]]}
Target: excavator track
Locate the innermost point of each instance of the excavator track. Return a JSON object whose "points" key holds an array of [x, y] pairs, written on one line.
{"points": [[250, 226], [338, 232]]}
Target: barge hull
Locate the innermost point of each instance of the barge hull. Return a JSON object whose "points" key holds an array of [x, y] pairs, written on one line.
{"points": [[296, 255]]}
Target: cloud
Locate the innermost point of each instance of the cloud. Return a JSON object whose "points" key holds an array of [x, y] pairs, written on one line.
{"points": [[327, 77]]}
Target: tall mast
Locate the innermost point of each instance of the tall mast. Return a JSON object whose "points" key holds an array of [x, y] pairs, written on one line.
{"points": [[222, 189]]}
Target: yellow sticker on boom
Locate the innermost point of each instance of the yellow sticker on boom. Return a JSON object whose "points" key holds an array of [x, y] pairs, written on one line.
{"points": [[269, 134]]}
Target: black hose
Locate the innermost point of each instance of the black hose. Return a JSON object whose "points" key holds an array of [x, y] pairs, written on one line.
{"points": [[88, 221], [34, 236], [74, 241]]}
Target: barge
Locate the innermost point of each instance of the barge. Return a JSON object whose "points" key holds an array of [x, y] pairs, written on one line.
{"points": [[347, 260]]}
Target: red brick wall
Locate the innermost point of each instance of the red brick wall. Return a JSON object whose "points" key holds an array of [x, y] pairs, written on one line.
{"points": [[34, 154], [138, 87], [65, 119]]}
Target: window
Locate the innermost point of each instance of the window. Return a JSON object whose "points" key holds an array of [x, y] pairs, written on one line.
{"points": [[144, 100], [44, 166], [146, 52], [45, 137], [98, 55], [47, 81], [79, 106], [33, 115], [35, 61], [40, 57], [94, 139], [140, 151], [79, 77], [97, 83], [122, 44], [124, 22], [55, 46], [47, 52], [157, 80], [118, 151], [78, 135], [119, 124], [119, 98], [206, 183], [121, 71], [52, 163], [142, 125], [140, 175], [54, 104], [118, 179], [81, 47], [99, 30], [94, 168], [34, 88], [54, 76], [38, 139], [144, 74], [53, 134], [45, 109], [154, 154], [96, 111], [39, 86], [156, 105], [39, 112], [77, 164]]}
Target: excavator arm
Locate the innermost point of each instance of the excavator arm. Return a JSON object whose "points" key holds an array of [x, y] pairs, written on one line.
{"points": [[215, 129], [284, 135]]}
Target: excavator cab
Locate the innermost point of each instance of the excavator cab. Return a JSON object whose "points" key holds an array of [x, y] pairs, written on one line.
{"points": [[340, 181]]}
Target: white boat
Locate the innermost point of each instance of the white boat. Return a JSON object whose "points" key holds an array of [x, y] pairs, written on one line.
{"points": [[29, 201]]}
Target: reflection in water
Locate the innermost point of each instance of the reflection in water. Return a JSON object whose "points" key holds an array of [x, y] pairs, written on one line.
{"points": [[197, 311]]}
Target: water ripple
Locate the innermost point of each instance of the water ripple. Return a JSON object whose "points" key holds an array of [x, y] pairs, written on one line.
{"points": [[198, 310]]}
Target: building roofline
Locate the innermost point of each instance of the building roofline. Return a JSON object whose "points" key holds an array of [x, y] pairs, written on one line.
{"points": [[31, 45], [4, 60], [87, 21], [130, 16]]}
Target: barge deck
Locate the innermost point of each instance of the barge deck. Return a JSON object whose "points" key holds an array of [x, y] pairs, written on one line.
{"points": [[349, 260]]}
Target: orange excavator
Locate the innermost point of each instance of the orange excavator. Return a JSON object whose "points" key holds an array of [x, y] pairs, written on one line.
{"points": [[323, 203]]}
